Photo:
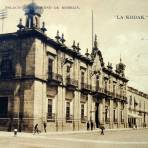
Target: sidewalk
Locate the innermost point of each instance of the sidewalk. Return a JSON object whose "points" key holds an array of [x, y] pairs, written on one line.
{"points": [[24, 134]]}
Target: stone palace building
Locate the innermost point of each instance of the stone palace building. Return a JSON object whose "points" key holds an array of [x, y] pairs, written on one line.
{"points": [[43, 80]]}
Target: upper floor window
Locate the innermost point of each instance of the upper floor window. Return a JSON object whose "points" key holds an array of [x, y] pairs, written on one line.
{"points": [[68, 71], [50, 65], [6, 67], [130, 101], [97, 84], [114, 89], [105, 85], [82, 76]]}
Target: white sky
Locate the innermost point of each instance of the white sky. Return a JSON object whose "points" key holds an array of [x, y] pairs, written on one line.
{"points": [[115, 36]]}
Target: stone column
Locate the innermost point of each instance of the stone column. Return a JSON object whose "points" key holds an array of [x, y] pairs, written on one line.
{"points": [[118, 114], [89, 107], [111, 113], [101, 111], [125, 116], [63, 107], [59, 109]]}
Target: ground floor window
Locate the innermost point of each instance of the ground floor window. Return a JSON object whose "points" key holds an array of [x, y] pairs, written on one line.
{"points": [[67, 110], [3, 107], [82, 111], [121, 116], [49, 108], [107, 120]]}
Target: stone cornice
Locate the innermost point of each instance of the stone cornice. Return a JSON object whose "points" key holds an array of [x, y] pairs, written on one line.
{"points": [[38, 34]]}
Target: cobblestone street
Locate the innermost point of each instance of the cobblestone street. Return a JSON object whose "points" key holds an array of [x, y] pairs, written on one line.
{"points": [[111, 139]]}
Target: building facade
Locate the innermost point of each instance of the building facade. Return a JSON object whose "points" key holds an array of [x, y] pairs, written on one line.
{"points": [[43, 80], [137, 108]]}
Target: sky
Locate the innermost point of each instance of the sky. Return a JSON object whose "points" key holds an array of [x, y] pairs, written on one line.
{"points": [[116, 36]]}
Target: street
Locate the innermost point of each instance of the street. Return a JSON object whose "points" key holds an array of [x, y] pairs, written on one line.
{"points": [[112, 139]]}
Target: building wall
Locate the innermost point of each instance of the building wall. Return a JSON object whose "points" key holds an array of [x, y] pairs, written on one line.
{"points": [[137, 106], [29, 95]]}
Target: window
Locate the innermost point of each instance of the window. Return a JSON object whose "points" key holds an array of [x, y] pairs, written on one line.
{"points": [[105, 85], [106, 114], [82, 77], [114, 87], [67, 110], [50, 64], [6, 67], [3, 107], [130, 100], [97, 83], [49, 109], [68, 71], [121, 114], [114, 115], [82, 111]]}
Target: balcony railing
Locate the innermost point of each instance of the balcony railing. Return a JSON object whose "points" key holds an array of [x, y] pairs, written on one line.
{"points": [[71, 82], [85, 86], [54, 77]]}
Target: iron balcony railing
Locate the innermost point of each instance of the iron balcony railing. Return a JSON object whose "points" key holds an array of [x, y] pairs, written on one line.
{"points": [[71, 82], [54, 77], [85, 86]]}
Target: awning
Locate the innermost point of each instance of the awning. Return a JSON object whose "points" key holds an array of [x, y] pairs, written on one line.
{"points": [[134, 116]]}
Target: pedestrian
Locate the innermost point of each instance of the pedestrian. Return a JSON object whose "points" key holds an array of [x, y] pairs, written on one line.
{"points": [[91, 124], [102, 129], [15, 132], [45, 125], [36, 130], [87, 125]]}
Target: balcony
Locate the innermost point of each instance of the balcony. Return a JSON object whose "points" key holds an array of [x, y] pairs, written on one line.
{"points": [[54, 79], [71, 83], [100, 91], [108, 93], [85, 87]]}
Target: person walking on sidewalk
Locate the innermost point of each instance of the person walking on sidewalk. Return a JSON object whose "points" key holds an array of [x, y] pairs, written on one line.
{"points": [[36, 130], [45, 125], [87, 125], [91, 125], [102, 129]]}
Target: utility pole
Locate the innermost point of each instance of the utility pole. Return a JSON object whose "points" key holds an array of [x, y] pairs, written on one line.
{"points": [[3, 16]]}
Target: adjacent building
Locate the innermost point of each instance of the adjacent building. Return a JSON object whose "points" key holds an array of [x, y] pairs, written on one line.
{"points": [[43, 80], [137, 108]]}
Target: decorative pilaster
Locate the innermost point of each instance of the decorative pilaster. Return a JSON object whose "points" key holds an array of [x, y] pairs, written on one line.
{"points": [[111, 113]]}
